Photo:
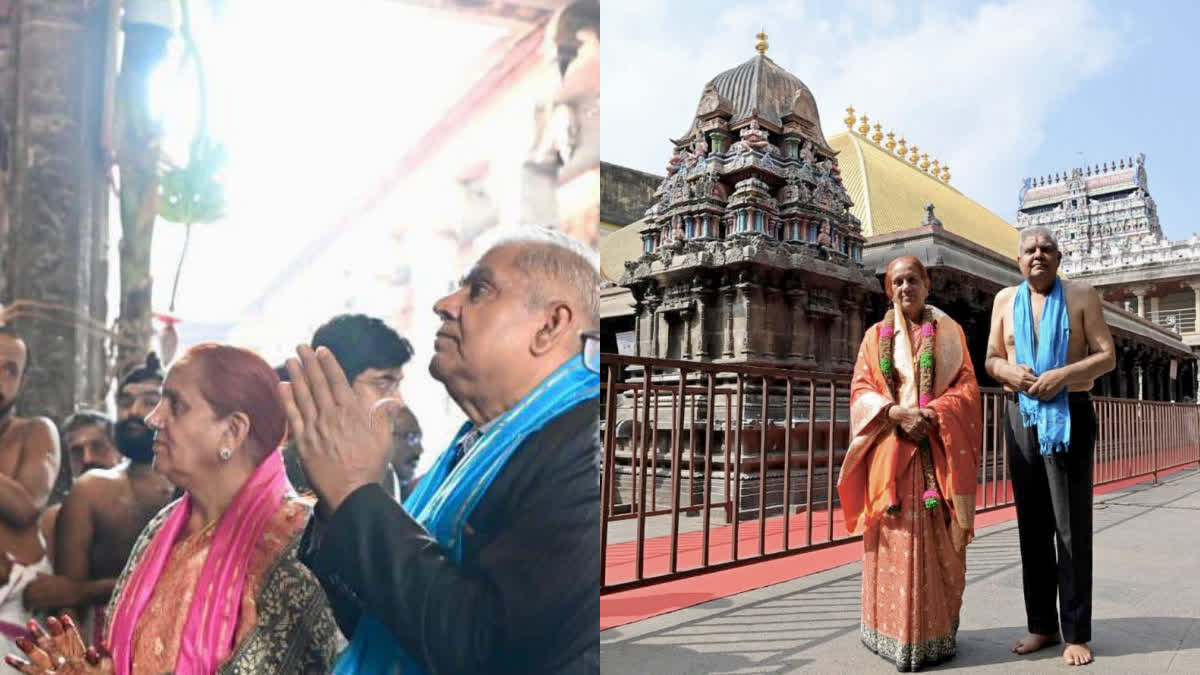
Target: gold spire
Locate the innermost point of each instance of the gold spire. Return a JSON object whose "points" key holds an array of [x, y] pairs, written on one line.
{"points": [[891, 143], [946, 173], [912, 159], [864, 127], [849, 118], [878, 135], [925, 162], [761, 45], [902, 148], [936, 171]]}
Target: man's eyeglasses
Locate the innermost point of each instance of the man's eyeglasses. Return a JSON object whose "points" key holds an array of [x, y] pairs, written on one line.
{"points": [[591, 350], [412, 438]]}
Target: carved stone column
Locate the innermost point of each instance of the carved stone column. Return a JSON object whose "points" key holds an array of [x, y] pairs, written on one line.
{"points": [[639, 309], [57, 198], [702, 310], [854, 329], [798, 301], [1140, 293], [837, 341], [1143, 365], [761, 330], [814, 334], [686, 317], [662, 334], [651, 329], [728, 294], [743, 317]]}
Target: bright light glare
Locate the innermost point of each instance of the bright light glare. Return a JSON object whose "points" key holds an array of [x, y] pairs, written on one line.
{"points": [[315, 102]]}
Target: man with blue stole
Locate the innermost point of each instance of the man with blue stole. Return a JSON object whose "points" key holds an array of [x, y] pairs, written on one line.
{"points": [[1048, 344], [492, 564]]}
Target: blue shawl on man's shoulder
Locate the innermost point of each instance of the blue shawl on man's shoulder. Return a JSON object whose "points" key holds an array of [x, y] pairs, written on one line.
{"points": [[446, 496], [1053, 417]]}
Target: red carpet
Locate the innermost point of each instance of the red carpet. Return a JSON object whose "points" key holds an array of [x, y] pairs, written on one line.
{"points": [[617, 609]]}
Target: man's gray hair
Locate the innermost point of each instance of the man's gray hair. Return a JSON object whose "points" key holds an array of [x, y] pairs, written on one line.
{"points": [[1036, 231], [548, 253]]}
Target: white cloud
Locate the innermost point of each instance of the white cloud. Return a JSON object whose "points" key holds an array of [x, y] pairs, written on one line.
{"points": [[974, 87]]}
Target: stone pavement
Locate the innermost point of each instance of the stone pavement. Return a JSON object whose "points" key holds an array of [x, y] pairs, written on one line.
{"points": [[1146, 609]]}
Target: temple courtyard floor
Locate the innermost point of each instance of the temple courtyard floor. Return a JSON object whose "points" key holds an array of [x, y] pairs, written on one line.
{"points": [[1146, 606]]}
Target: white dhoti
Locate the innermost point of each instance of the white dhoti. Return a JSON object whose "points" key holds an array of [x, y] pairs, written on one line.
{"points": [[13, 614]]}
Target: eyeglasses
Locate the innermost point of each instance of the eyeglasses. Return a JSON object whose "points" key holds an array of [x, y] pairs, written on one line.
{"points": [[591, 350], [412, 438]]}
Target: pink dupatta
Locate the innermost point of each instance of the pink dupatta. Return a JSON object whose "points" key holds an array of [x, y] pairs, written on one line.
{"points": [[208, 634]]}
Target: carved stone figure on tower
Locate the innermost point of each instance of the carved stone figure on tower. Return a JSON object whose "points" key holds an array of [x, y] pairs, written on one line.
{"points": [[753, 136], [825, 239], [674, 162]]}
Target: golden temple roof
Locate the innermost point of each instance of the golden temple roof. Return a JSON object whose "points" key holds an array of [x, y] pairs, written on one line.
{"points": [[617, 247], [890, 194]]}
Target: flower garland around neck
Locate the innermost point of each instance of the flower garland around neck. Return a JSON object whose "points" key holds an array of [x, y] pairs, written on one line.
{"points": [[925, 366]]}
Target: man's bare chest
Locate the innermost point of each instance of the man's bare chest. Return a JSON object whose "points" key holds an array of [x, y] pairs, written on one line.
{"points": [[1075, 322], [12, 439]]}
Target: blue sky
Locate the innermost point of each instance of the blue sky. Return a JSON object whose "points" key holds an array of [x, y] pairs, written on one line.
{"points": [[997, 90]]}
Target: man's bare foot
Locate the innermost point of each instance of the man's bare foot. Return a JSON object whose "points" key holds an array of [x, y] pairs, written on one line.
{"points": [[1033, 642], [1077, 655]]}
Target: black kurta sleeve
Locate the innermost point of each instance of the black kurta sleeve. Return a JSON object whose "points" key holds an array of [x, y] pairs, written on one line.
{"points": [[526, 595]]}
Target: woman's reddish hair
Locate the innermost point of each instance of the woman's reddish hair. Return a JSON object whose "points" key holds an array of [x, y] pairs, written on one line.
{"points": [[910, 259], [232, 379]]}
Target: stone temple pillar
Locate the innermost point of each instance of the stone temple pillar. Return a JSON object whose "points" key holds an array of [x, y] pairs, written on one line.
{"points": [[57, 199]]}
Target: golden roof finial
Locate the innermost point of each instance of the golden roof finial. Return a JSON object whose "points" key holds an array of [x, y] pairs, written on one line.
{"points": [[925, 162], [946, 173], [891, 144], [912, 159], [849, 118], [902, 147], [878, 135], [935, 170], [864, 127], [761, 45]]}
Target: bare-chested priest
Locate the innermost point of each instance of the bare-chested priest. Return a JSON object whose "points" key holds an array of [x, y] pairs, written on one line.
{"points": [[29, 461], [87, 443], [107, 509], [1048, 344]]}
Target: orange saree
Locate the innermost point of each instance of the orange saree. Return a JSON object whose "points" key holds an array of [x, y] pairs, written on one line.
{"points": [[913, 578]]}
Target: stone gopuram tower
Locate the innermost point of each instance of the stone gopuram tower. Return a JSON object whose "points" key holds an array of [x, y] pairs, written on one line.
{"points": [[750, 253], [1096, 212]]}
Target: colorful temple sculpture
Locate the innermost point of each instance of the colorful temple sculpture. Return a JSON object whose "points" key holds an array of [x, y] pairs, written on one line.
{"points": [[764, 245], [1111, 236], [750, 252]]}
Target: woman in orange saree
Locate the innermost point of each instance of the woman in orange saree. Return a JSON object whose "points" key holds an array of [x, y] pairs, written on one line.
{"points": [[908, 482]]}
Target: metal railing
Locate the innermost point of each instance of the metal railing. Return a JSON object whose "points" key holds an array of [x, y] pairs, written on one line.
{"points": [[1179, 321], [710, 466]]}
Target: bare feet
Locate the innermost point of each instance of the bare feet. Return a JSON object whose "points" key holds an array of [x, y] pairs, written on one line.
{"points": [[1033, 642], [1077, 655]]}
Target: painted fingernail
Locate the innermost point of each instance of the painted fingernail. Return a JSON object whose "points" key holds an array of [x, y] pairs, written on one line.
{"points": [[67, 621], [92, 656], [14, 661], [25, 644], [35, 629], [54, 627]]}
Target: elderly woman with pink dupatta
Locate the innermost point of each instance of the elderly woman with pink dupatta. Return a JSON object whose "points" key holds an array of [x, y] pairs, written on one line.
{"points": [[213, 585]]}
